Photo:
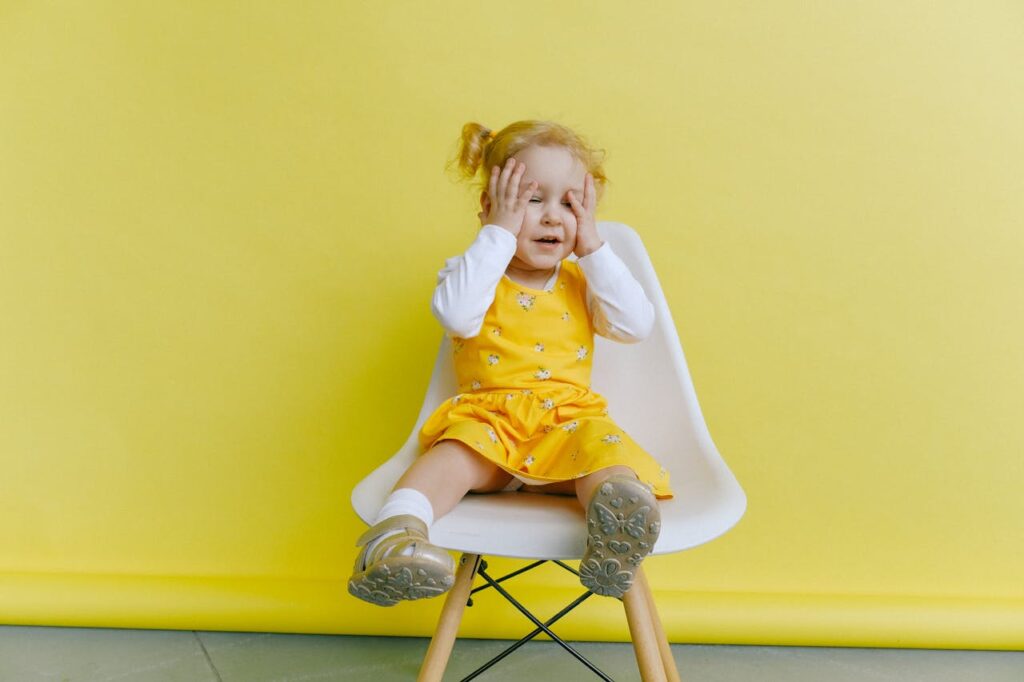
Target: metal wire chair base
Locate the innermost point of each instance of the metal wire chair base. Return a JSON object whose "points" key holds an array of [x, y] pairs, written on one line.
{"points": [[541, 627]]}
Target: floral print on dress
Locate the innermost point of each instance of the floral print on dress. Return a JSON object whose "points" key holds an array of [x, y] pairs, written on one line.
{"points": [[539, 348], [529, 460], [542, 374], [565, 316], [475, 385], [496, 331], [548, 404], [492, 359], [525, 300], [581, 353], [611, 439], [492, 435], [570, 427]]}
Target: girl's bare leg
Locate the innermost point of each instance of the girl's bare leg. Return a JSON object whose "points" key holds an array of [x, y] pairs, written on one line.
{"points": [[397, 560], [449, 470], [583, 487], [623, 523], [559, 488], [586, 485]]}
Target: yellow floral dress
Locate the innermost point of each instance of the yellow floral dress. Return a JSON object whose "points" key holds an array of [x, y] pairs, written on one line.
{"points": [[525, 401]]}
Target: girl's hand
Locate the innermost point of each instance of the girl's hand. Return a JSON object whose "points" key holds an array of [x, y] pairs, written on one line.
{"points": [[587, 240], [507, 204]]}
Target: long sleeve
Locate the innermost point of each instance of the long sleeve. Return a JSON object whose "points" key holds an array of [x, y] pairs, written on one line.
{"points": [[618, 305], [466, 284]]}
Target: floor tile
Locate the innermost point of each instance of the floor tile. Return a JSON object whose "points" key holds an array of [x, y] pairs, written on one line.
{"points": [[291, 658], [807, 664], [294, 658], [37, 654], [241, 657], [49, 654]]}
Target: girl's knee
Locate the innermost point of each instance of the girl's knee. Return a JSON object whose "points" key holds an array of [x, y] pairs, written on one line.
{"points": [[586, 485], [456, 452], [482, 475], [495, 481], [604, 474]]}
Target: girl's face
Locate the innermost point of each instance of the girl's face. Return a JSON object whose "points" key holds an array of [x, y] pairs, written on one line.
{"points": [[548, 213]]}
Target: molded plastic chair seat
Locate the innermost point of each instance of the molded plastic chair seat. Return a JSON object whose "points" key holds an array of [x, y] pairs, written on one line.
{"points": [[650, 395]]}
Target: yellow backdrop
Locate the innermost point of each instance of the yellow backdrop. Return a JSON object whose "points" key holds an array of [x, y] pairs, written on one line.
{"points": [[221, 225]]}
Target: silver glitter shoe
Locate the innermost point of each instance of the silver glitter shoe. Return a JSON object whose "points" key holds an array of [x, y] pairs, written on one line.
{"points": [[623, 522], [385, 575]]}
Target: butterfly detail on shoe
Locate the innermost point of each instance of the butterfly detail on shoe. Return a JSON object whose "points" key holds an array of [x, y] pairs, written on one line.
{"points": [[635, 524]]}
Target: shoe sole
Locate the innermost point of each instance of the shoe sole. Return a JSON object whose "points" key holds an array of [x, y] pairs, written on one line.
{"points": [[623, 522], [400, 578]]}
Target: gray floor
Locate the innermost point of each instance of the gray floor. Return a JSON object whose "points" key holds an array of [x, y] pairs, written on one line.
{"points": [[31, 654]]}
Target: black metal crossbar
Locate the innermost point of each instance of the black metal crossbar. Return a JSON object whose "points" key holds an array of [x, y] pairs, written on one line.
{"points": [[513, 574], [541, 627]]}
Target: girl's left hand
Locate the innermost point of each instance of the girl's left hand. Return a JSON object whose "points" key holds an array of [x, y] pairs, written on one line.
{"points": [[587, 240]]}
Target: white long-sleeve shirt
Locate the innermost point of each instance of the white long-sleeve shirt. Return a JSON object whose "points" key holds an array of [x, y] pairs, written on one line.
{"points": [[618, 306]]}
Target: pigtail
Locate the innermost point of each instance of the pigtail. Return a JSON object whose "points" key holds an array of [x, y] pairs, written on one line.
{"points": [[472, 146]]}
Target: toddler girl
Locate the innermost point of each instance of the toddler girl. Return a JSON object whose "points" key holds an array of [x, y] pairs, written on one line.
{"points": [[521, 317]]}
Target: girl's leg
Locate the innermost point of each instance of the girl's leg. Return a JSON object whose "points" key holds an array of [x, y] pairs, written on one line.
{"points": [[623, 523], [559, 488], [449, 470], [586, 485], [397, 560], [583, 488]]}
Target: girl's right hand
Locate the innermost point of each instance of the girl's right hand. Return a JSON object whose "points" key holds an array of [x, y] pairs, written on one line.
{"points": [[507, 205]]}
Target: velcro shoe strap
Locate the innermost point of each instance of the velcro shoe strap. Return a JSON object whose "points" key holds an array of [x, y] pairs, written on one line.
{"points": [[407, 522]]}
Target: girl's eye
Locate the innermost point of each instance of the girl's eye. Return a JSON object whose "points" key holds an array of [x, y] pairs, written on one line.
{"points": [[564, 203]]}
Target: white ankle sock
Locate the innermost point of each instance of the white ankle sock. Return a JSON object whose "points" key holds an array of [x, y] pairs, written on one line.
{"points": [[403, 501], [407, 501]]}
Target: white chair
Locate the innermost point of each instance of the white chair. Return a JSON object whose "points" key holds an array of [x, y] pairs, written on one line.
{"points": [[651, 396]]}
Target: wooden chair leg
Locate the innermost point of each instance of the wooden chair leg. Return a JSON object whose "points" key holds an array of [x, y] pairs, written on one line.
{"points": [[436, 660], [669, 663], [642, 632]]}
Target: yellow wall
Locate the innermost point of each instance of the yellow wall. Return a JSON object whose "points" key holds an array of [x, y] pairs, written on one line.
{"points": [[220, 225]]}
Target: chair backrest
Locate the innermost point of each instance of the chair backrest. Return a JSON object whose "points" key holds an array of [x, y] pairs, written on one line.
{"points": [[650, 395]]}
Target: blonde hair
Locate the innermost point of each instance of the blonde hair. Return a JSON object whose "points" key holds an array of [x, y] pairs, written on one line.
{"points": [[480, 149]]}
